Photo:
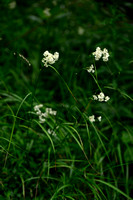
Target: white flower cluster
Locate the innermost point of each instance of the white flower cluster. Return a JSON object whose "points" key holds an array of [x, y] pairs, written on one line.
{"points": [[99, 53], [50, 58], [46, 11], [91, 69], [37, 109], [51, 132], [43, 116], [101, 97], [105, 55], [92, 118]]}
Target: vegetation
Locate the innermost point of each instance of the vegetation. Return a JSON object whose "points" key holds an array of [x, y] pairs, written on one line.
{"points": [[58, 138]]}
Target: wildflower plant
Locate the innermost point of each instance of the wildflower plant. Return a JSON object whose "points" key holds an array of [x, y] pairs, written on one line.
{"points": [[65, 132], [101, 53], [43, 115], [49, 58], [91, 69], [101, 97], [98, 54]]}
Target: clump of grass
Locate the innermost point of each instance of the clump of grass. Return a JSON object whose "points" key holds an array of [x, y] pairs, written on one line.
{"points": [[66, 127], [63, 148]]}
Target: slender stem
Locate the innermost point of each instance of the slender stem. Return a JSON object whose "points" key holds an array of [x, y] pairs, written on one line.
{"points": [[96, 82], [64, 83]]}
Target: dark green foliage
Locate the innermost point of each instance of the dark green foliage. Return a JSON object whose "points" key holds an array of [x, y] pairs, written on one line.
{"points": [[84, 161]]}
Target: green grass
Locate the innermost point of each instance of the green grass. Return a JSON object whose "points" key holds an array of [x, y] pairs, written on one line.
{"points": [[67, 156]]}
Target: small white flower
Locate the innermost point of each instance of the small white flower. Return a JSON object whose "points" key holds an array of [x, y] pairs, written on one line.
{"points": [[105, 59], [101, 96], [37, 108], [95, 97], [105, 55], [46, 53], [54, 112], [40, 106], [50, 111], [56, 56], [46, 11], [92, 118], [49, 58], [91, 69], [38, 112], [97, 53], [107, 98], [42, 117], [51, 132], [99, 118]]}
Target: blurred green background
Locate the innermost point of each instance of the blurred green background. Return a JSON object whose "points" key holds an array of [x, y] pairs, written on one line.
{"points": [[72, 28]]}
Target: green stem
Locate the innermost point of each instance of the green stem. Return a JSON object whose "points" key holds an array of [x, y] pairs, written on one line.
{"points": [[96, 82], [64, 83]]}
